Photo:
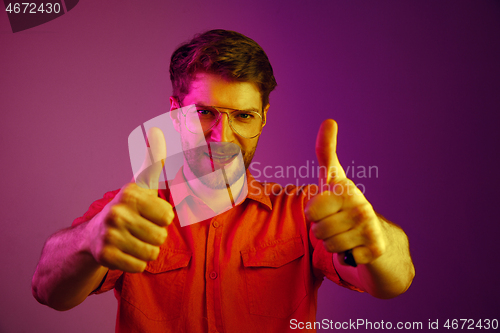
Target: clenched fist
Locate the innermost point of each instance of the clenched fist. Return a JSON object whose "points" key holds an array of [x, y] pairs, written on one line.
{"points": [[343, 218], [128, 232]]}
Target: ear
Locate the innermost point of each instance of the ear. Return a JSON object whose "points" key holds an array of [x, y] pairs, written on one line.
{"points": [[175, 113], [264, 115]]}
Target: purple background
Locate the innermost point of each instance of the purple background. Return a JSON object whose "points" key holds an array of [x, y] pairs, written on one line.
{"points": [[414, 86]]}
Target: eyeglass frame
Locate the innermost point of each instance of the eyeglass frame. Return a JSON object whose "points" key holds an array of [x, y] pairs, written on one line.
{"points": [[228, 118]]}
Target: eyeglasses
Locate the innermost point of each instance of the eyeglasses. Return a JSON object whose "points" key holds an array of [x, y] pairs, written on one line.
{"points": [[201, 119]]}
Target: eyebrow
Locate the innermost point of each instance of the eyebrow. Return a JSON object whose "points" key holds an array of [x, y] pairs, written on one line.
{"points": [[220, 107]]}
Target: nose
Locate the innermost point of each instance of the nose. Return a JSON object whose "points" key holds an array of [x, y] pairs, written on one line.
{"points": [[222, 131]]}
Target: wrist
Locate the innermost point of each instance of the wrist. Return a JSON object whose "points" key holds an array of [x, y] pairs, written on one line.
{"points": [[89, 236]]}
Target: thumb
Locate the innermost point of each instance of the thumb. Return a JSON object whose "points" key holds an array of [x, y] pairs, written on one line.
{"points": [[326, 153], [156, 152]]}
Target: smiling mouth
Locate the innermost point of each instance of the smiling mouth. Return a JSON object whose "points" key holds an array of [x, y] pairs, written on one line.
{"points": [[222, 159]]}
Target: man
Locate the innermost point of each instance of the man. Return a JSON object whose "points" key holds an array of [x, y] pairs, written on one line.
{"points": [[254, 267]]}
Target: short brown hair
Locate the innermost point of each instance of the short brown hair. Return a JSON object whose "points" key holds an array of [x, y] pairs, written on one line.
{"points": [[225, 53]]}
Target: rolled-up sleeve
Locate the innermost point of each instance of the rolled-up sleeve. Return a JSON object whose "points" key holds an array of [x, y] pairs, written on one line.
{"points": [[109, 280]]}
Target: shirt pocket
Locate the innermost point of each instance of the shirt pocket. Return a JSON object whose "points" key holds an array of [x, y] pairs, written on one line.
{"points": [[158, 291], [275, 278]]}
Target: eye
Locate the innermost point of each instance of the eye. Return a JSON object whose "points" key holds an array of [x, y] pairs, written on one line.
{"points": [[204, 112], [245, 115]]}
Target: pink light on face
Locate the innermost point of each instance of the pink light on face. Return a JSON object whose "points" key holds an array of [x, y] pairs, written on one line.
{"points": [[216, 165]]}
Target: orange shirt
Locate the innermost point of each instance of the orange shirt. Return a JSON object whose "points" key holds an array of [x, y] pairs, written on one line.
{"points": [[253, 268]]}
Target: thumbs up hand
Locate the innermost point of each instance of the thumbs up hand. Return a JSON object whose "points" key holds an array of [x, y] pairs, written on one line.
{"points": [[128, 232], [343, 218]]}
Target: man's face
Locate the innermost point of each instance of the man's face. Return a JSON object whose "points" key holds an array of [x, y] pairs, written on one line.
{"points": [[212, 90]]}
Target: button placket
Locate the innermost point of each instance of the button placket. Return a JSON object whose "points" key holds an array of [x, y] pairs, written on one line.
{"points": [[209, 264]]}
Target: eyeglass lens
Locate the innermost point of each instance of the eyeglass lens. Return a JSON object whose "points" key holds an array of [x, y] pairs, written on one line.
{"points": [[246, 123]]}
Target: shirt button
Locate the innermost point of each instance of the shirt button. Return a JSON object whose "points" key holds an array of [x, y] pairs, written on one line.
{"points": [[213, 275], [215, 224]]}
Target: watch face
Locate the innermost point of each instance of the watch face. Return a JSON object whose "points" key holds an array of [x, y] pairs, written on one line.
{"points": [[26, 15], [204, 179]]}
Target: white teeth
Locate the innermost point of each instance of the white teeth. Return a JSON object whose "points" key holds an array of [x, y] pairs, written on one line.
{"points": [[222, 156]]}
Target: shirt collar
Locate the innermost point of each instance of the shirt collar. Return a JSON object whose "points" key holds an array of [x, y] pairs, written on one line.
{"points": [[257, 192]]}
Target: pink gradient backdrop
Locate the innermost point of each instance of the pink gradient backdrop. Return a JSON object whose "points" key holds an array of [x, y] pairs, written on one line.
{"points": [[414, 86]]}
